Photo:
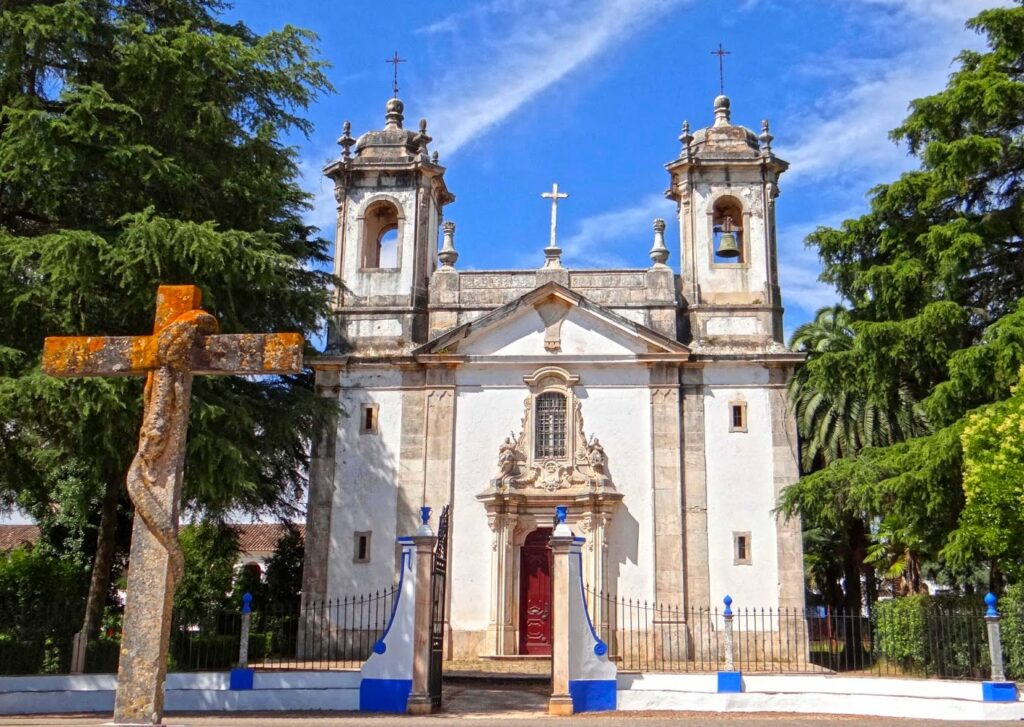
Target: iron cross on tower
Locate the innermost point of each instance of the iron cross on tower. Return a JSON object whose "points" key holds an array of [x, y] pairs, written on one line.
{"points": [[394, 61], [721, 53]]}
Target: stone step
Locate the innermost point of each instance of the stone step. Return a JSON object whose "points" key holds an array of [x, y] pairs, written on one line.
{"points": [[518, 670]]}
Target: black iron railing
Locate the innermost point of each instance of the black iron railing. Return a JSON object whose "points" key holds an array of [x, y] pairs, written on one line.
{"points": [[937, 639]]}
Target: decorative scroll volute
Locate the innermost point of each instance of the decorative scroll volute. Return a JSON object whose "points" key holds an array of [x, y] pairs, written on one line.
{"points": [[584, 468]]}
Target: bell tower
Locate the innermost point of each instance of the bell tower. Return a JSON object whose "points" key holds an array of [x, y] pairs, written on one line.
{"points": [[390, 194], [725, 182]]}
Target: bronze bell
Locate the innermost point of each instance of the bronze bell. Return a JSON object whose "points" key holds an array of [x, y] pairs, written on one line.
{"points": [[727, 246]]}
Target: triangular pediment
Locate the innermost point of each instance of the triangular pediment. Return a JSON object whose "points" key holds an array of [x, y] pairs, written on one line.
{"points": [[552, 319]]}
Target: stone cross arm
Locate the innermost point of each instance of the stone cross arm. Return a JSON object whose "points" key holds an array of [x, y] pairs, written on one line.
{"points": [[242, 354], [208, 352]]}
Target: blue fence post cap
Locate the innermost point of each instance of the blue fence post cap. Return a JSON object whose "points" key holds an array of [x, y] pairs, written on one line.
{"points": [[425, 514], [247, 603], [990, 601], [561, 512], [728, 605]]}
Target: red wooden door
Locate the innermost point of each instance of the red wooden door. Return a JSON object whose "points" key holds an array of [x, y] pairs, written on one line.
{"points": [[535, 595]]}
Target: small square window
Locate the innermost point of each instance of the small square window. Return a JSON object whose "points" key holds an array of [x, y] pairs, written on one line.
{"points": [[361, 552], [368, 419], [741, 549], [737, 416]]}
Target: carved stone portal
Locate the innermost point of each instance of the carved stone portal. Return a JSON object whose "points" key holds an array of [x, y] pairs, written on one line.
{"points": [[533, 476]]}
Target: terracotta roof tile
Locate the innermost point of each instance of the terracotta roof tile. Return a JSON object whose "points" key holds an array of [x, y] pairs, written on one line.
{"points": [[254, 537], [11, 536]]}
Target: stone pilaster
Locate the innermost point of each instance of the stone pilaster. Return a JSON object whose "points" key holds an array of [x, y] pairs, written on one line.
{"points": [[666, 437], [501, 629], [320, 499], [594, 525], [786, 469], [411, 451], [439, 437], [695, 496]]}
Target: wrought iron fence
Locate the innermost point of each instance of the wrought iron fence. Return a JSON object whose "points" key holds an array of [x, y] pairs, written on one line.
{"points": [[937, 639], [333, 634], [36, 638]]}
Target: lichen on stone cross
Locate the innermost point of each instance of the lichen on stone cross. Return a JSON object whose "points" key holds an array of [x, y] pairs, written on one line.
{"points": [[184, 343]]}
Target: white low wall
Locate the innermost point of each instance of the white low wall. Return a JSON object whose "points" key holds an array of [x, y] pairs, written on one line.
{"points": [[200, 692], [817, 694]]}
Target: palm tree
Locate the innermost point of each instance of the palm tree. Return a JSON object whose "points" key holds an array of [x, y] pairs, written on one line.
{"points": [[840, 424]]}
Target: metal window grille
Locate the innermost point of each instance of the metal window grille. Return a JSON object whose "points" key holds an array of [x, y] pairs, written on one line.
{"points": [[550, 429]]}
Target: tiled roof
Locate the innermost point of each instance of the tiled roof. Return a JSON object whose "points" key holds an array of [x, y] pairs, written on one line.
{"points": [[11, 536], [254, 537]]}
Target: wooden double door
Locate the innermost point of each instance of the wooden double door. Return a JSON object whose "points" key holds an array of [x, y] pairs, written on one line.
{"points": [[535, 594]]}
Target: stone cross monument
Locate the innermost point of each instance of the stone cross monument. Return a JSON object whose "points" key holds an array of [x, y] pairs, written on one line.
{"points": [[184, 344], [552, 252]]}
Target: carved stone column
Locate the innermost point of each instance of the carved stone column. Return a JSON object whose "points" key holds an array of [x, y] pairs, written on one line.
{"points": [[594, 525], [501, 630]]}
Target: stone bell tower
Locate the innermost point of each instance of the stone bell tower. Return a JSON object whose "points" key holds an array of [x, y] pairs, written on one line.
{"points": [[390, 195], [725, 182]]}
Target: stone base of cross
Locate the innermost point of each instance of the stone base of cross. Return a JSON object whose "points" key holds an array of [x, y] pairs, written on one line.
{"points": [[184, 344]]}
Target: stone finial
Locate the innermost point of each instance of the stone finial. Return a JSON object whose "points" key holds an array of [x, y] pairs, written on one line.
{"points": [[422, 138], [393, 114], [685, 139], [766, 139], [722, 115], [434, 158], [448, 254], [345, 141], [659, 253]]}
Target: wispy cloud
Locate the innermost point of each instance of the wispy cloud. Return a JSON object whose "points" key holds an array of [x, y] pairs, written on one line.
{"points": [[616, 238], [520, 50], [845, 135]]}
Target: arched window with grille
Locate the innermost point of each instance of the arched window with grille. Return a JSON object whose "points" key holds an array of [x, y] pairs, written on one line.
{"points": [[550, 426]]}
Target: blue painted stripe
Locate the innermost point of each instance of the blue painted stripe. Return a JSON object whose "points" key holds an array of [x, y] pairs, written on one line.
{"points": [[384, 695], [381, 646], [730, 682], [592, 695], [241, 678], [998, 692]]}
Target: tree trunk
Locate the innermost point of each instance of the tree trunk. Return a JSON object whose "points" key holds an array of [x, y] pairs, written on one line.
{"points": [[99, 582], [853, 643]]}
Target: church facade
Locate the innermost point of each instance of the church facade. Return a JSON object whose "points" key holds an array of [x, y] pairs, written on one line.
{"points": [[650, 401]]}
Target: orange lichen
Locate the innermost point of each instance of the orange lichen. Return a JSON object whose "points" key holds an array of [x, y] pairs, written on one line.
{"points": [[67, 355], [172, 301], [283, 352], [143, 352]]}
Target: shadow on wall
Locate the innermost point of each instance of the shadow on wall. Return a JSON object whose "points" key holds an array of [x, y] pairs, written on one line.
{"points": [[365, 501]]}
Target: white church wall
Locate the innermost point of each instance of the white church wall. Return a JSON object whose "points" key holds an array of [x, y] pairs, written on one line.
{"points": [[365, 494], [522, 334], [490, 404], [740, 487]]}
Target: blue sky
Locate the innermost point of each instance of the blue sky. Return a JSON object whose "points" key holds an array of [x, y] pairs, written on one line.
{"points": [[592, 95]]}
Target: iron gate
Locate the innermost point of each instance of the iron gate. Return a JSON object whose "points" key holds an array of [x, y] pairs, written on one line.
{"points": [[438, 581]]}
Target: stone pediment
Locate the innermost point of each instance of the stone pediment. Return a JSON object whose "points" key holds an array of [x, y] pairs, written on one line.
{"points": [[552, 316]]}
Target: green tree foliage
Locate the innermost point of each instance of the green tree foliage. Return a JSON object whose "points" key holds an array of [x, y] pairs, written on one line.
{"points": [[284, 572], [144, 143], [210, 551], [933, 281]]}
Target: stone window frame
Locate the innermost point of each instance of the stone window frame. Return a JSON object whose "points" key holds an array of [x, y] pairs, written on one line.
{"points": [[742, 405], [365, 237], [542, 381], [745, 248], [747, 558], [374, 410], [356, 537]]}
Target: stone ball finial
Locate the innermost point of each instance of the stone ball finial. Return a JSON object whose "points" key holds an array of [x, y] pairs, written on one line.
{"points": [[659, 252], [393, 113], [448, 254], [722, 110]]}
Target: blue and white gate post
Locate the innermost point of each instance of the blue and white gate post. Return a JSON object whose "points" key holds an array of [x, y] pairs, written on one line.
{"points": [[998, 689], [582, 677], [388, 675]]}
